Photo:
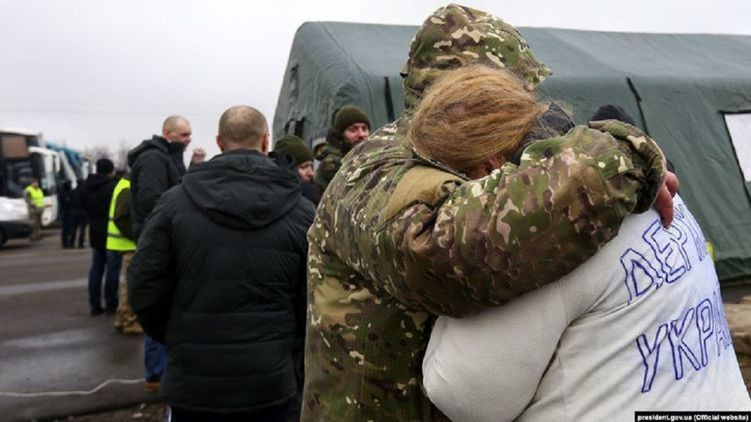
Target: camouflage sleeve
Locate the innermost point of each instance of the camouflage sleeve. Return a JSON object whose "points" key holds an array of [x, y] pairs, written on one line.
{"points": [[330, 163], [649, 162], [521, 227]]}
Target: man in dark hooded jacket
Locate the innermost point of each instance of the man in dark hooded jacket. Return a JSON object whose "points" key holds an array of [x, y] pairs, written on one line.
{"points": [[95, 197], [219, 277], [156, 166]]}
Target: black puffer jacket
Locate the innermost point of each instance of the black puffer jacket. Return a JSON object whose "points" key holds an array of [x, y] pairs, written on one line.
{"points": [[95, 197], [156, 165], [219, 277]]}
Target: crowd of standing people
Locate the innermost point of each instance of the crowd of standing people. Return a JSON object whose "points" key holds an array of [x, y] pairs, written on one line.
{"points": [[271, 290]]}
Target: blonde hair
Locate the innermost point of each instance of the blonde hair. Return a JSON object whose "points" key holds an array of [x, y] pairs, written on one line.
{"points": [[471, 114]]}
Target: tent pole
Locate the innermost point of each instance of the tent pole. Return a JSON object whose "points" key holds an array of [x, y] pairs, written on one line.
{"points": [[638, 105]]}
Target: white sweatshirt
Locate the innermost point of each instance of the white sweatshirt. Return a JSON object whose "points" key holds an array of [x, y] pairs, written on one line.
{"points": [[640, 326]]}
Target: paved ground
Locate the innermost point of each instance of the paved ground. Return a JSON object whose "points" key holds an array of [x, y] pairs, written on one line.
{"points": [[50, 344], [140, 413]]}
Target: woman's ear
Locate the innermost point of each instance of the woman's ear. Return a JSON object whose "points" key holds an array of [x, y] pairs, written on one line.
{"points": [[486, 167], [495, 162]]}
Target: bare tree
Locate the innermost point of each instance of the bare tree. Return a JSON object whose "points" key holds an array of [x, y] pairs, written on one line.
{"points": [[121, 154], [93, 153]]}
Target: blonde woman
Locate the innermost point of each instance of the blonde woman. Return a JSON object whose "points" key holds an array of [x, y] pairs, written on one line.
{"points": [[639, 326], [400, 238]]}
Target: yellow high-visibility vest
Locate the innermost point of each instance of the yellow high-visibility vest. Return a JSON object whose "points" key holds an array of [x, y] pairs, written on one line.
{"points": [[36, 194], [115, 240]]}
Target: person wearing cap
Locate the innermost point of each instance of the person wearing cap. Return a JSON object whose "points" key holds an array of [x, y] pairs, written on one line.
{"points": [[351, 127], [302, 157], [96, 197]]}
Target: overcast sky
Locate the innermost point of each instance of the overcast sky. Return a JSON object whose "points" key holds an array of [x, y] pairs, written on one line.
{"points": [[88, 72]]}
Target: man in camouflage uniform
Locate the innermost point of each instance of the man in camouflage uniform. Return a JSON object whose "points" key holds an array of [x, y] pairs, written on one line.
{"points": [[351, 126], [399, 239]]}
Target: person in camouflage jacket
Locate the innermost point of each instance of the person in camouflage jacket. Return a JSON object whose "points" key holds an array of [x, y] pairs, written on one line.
{"points": [[399, 239], [351, 126]]}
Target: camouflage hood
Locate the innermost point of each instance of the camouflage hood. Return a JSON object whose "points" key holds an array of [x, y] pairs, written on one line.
{"points": [[455, 36]]}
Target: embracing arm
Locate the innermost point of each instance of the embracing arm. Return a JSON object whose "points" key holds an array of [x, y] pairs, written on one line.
{"points": [[521, 227]]}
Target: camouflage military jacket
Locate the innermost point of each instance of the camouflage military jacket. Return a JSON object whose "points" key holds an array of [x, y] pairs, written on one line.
{"points": [[397, 240], [330, 156]]}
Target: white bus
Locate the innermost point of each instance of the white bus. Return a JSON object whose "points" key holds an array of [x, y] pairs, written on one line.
{"points": [[22, 158], [48, 181]]}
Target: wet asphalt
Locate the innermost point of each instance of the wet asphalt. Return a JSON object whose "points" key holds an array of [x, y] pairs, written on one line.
{"points": [[50, 346]]}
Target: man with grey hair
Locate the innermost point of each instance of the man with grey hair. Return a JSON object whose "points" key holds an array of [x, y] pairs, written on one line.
{"points": [[219, 277], [156, 165]]}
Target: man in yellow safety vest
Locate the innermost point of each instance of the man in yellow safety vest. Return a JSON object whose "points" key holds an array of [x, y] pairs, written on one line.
{"points": [[120, 240], [35, 200]]}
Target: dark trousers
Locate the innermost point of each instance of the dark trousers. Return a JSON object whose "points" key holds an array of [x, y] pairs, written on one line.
{"points": [[271, 414], [154, 358], [69, 230], [101, 260], [295, 406], [79, 227]]}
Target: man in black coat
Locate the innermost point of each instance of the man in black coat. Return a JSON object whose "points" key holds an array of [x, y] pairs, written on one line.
{"points": [[219, 276], [95, 197], [64, 203], [156, 165], [78, 214]]}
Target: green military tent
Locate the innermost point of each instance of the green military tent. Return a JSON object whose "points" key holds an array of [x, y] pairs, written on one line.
{"points": [[691, 92]]}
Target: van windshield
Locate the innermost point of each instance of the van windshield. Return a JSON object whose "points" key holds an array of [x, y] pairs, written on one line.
{"points": [[14, 176]]}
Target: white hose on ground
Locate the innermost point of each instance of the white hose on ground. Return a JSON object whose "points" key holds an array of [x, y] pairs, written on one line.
{"points": [[74, 392]]}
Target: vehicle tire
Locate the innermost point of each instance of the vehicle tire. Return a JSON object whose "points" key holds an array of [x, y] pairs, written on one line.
{"points": [[3, 238]]}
